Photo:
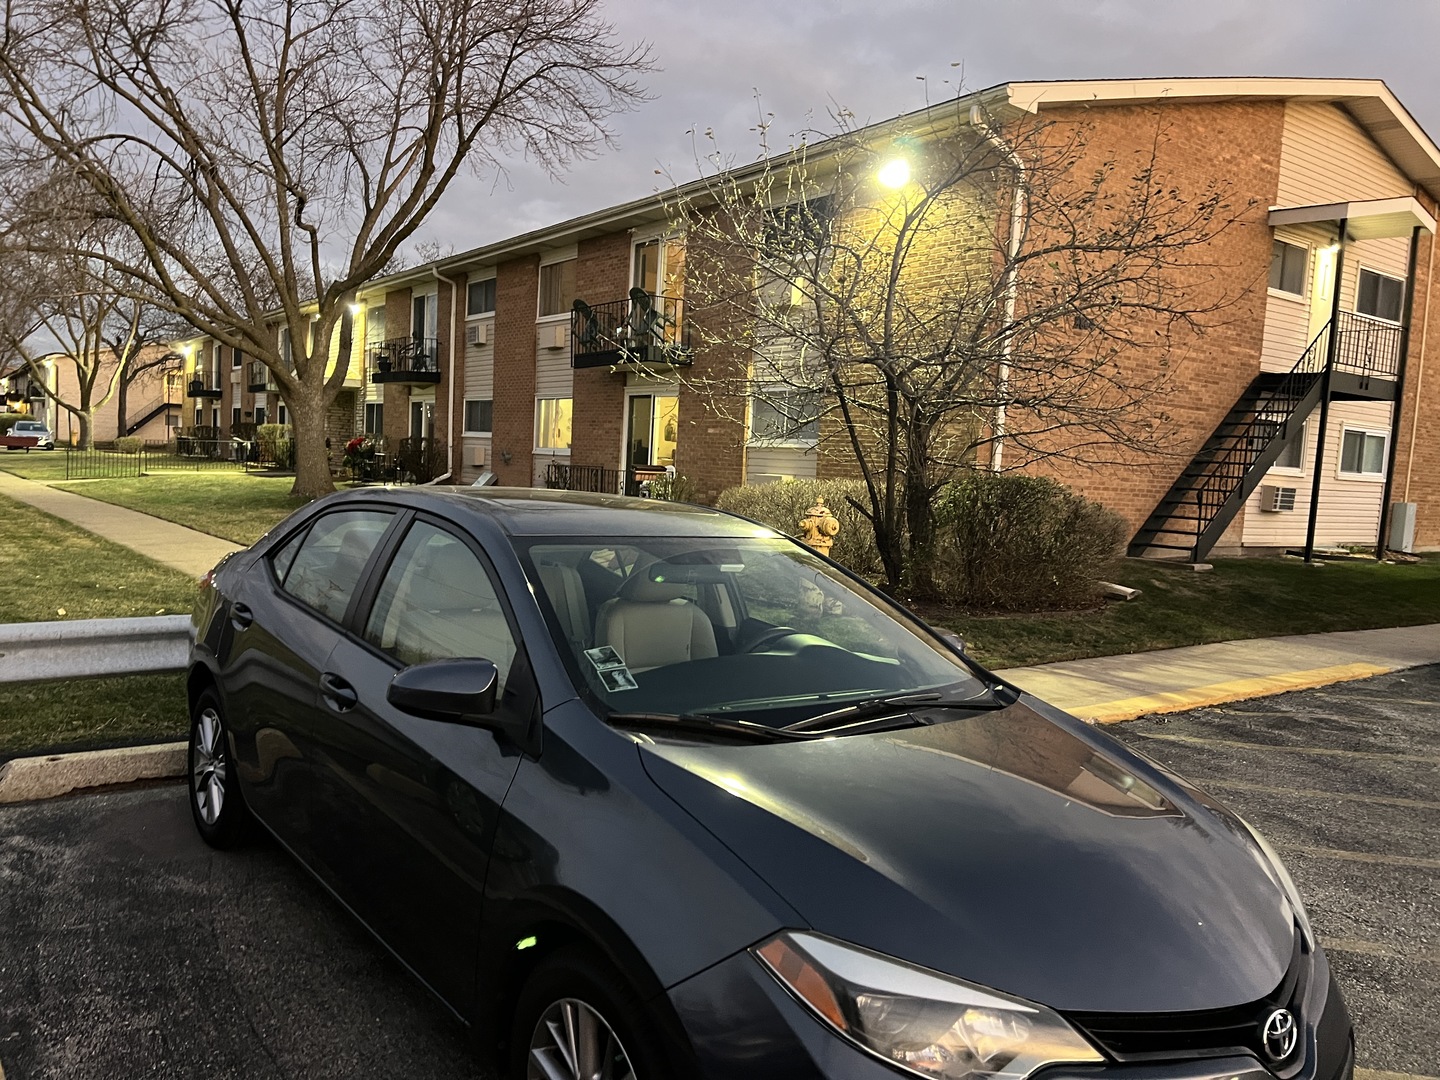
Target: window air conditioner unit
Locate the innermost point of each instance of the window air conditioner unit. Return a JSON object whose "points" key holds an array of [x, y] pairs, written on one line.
{"points": [[1274, 500], [555, 336], [477, 456], [477, 333]]}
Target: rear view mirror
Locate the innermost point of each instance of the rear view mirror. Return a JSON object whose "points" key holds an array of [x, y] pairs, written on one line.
{"points": [[458, 691]]}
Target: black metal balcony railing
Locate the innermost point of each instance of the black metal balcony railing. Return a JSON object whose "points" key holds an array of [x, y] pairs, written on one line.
{"points": [[203, 387], [405, 360], [259, 378], [560, 476], [1367, 346], [641, 329]]}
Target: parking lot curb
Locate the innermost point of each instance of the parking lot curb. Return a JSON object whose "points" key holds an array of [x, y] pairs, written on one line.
{"points": [[1113, 712], [27, 779]]}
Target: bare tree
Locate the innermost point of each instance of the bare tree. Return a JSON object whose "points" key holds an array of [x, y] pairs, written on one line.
{"points": [[271, 156], [64, 308], [959, 296]]}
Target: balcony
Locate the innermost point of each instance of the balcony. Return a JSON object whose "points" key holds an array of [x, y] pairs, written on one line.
{"points": [[259, 379], [409, 360], [641, 330], [201, 388]]}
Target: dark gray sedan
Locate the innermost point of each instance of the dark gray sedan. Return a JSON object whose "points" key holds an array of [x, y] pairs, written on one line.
{"points": [[647, 790]]}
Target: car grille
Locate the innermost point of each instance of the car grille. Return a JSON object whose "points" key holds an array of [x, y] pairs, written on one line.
{"points": [[1203, 1033]]}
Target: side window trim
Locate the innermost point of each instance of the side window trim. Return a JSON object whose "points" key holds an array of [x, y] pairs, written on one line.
{"points": [[369, 584]]}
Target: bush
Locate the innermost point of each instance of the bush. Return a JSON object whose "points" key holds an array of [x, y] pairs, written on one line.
{"points": [[1021, 543], [673, 489], [129, 444], [7, 421], [782, 505], [277, 448]]}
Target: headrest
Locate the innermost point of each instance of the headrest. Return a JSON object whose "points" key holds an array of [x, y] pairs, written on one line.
{"points": [[639, 588]]}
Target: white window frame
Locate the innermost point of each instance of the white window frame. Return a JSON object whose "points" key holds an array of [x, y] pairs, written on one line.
{"points": [[1364, 477], [476, 279], [1290, 470], [1305, 276], [763, 441], [465, 416], [1363, 269], [535, 426]]}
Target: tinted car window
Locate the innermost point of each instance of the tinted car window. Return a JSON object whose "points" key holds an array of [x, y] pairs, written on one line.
{"points": [[436, 602], [327, 566]]}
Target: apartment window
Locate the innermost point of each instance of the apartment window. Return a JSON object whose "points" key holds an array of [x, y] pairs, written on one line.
{"points": [[552, 423], [797, 231], [1293, 456], [478, 414], [281, 417], [785, 414], [215, 417], [557, 288], [480, 298], [1362, 453], [1380, 296], [234, 417], [1287, 267], [236, 358], [259, 415], [374, 417], [375, 323]]}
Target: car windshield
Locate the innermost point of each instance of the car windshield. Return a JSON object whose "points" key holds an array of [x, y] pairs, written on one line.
{"points": [[748, 627]]}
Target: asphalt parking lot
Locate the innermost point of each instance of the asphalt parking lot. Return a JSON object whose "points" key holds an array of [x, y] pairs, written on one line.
{"points": [[128, 949]]}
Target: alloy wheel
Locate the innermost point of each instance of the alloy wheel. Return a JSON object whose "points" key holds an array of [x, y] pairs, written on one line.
{"points": [[573, 1042], [207, 779]]}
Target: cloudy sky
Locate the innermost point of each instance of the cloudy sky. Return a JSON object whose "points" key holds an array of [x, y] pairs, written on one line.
{"points": [[803, 57]]}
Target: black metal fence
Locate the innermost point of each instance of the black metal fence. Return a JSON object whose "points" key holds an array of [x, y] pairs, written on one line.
{"points": [[186, 454], [398, 461], [560, 476]]}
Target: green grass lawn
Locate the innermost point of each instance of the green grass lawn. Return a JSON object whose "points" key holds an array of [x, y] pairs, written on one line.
{"points": [[1240, 598], [42, 465], [54, 570], [231, 504], [84, 713]]}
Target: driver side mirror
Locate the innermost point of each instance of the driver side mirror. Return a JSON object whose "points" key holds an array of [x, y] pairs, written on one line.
{"points": [[455, 691]]}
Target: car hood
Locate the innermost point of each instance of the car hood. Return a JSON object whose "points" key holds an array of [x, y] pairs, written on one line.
{"points": [[1029, 854]]}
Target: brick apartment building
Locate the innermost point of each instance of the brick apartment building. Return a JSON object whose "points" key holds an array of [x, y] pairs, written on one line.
{"points": [[149, 407], [487, 355]]}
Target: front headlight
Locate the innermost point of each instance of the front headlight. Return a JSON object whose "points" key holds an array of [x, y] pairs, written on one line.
{"points": [[931, 1024]]}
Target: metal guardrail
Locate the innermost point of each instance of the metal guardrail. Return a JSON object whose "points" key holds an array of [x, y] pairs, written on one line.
{"points": [[81, 648]]}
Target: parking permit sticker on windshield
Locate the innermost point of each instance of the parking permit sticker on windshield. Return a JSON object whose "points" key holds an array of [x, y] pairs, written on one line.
{"points": [[614, 675]]}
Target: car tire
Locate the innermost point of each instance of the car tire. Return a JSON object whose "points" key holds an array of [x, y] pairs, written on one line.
{"points": [[567, 986], [215, 801]]}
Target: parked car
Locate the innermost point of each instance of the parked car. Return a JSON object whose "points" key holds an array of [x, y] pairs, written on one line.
{"points": [[28, 435], [646, 790]]}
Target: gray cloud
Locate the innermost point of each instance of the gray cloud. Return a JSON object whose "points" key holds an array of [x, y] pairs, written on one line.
{"points": [[805, 57]]}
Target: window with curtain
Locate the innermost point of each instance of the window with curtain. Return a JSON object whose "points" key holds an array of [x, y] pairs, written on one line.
{"points": [[557, 288], [552, 423], [1287, 267]]}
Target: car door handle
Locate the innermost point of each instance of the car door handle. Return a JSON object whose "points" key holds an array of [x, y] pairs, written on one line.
{"points": [[241, 616], [338, 693]]}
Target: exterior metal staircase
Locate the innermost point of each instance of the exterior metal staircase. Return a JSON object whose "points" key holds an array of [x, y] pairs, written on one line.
{"points": [[1204, 499], [131, 428]]}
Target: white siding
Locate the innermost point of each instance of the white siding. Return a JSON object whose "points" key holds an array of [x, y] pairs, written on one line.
{"points": [[1326, 157], [1349, 507], [764, 463], [1287, 318], [553, 375], [479, 363]]}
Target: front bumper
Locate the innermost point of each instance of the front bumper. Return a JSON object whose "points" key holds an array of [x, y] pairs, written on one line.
{"points": [[744, 1026]]}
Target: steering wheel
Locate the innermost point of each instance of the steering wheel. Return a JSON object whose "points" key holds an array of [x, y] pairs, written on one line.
{"points": [[767, 637]]}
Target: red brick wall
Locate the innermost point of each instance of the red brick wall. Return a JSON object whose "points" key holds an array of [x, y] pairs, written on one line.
{"points": [[602, 274], [517, 285], [1236, 142], [396, 420], [1417, 470]]}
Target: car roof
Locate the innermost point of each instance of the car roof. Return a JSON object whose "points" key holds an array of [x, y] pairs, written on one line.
{"points": [[542, 512]]}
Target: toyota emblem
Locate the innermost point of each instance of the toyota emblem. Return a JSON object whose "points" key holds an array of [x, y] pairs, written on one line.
{"points": [[1279, 1034]]}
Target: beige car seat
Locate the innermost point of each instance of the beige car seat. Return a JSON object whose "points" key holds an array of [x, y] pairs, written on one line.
{"points": [[651, 624]]}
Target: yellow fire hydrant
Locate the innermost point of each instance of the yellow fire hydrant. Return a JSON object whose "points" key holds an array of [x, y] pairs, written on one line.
{"points": [[818, 527]]}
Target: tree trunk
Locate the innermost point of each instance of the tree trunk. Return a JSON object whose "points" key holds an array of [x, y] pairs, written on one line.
{"points": [[312, 464], [122, 394], [86, 422], [919, 511]]}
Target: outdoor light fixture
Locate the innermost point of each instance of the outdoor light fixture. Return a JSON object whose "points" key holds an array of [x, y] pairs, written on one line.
{"points": [[895, 173]]}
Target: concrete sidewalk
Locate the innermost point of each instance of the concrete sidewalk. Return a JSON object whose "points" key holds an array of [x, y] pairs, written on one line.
{"points": [[174, 545], [1106, 689]]}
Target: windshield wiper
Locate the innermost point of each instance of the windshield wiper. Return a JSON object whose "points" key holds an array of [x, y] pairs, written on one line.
{"points": [[700, 724], [891, 705]]}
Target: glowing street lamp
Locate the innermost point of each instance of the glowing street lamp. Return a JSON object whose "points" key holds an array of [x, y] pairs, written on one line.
{"points": [[895, 173]]}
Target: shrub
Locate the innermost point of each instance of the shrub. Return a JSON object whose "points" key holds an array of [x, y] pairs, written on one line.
{"points": [[1021, 543], [277, 448], [129, 444], [7, 421], [673, 489], [782, 505]]}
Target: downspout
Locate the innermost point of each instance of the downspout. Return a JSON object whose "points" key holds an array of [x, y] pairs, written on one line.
{"points": [[450, 397], [1383, 535], [1009, 283]]}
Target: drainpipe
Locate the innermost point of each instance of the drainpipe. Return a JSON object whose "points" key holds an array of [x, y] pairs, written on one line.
{"points": [[1420, 369], [450, 397], [1009, 283], [1397, 408]]}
